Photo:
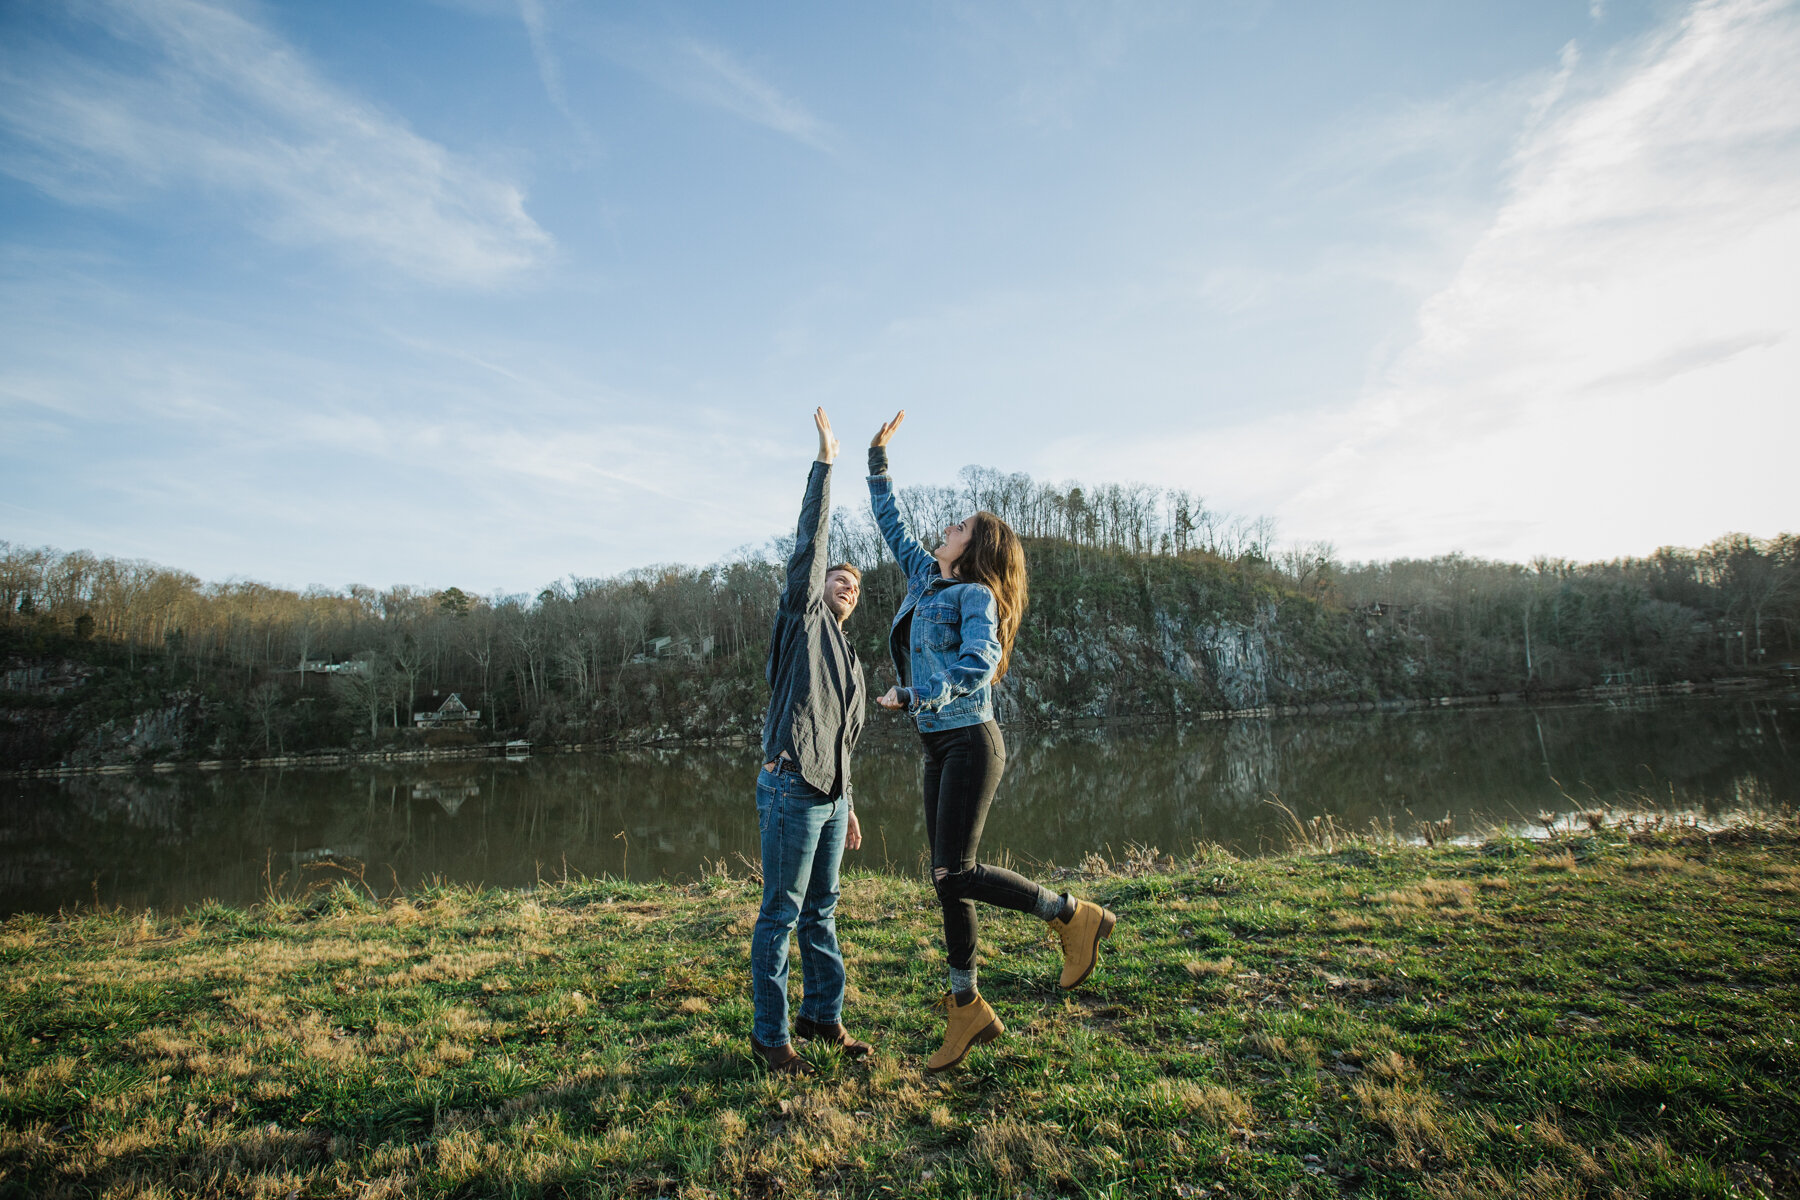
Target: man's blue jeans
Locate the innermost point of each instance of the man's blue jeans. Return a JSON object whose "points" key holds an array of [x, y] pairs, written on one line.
{"points": [[802, 843]]}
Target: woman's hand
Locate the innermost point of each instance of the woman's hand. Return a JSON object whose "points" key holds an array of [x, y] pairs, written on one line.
{"points": [[887, 431], [891, 699], [853, 833], [828, 445]]}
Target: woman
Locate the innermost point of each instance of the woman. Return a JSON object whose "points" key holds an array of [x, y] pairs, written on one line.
{"points": [[951, 642]]}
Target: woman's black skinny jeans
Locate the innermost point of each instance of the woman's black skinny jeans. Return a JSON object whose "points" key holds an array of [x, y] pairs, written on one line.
{"points": [[962, 772]]}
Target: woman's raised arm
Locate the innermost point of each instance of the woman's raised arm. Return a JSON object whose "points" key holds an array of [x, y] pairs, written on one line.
{"points": [[914, 558], [886, 433]]}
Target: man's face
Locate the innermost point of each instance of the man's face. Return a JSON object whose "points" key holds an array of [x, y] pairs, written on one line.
{"points": [[841, 594]]}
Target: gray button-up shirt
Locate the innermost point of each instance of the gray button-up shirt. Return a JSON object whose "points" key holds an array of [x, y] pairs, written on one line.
{"points": [[815, 681]]}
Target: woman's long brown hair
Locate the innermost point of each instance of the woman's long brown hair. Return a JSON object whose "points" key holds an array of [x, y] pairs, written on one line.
{"points": [[995, 559]]}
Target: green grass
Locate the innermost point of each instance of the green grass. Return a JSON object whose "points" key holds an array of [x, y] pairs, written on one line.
{"points": [[1597, 1016]]}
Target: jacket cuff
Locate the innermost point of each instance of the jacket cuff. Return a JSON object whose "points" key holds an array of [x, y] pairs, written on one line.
{"points": [[878, 461]]}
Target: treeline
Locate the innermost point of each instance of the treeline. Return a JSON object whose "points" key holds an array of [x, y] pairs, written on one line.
{"points": [[1132, 517], [1144, 600], [1732, 604]]}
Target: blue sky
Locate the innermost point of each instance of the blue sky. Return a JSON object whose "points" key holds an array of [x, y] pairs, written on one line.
{"points": [[489, 292]]}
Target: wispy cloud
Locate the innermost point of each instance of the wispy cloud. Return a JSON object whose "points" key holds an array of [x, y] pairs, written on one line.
{"points": [[1428, 160], [713, 75], [1711, 352], [531, 12], [183, 94], [537, 30], [1613, 363]]}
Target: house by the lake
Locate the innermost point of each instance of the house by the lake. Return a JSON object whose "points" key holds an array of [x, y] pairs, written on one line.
{"points": [[452, 713]]}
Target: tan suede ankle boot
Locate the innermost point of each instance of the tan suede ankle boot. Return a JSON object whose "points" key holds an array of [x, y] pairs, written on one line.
{"points": [[1081, 936], [971, 1024]]}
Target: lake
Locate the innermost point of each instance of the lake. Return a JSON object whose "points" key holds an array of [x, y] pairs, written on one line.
{"points": [[171, 840]]}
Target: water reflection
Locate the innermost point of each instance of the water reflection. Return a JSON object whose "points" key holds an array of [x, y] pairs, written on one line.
{"points": [[167, 841]]}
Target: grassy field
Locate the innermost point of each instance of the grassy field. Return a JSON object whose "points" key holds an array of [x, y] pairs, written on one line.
{"points": [[1609, 1014]]}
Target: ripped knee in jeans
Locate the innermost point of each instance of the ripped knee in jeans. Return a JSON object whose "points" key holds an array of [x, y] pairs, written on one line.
{"points": [[949, 884]]}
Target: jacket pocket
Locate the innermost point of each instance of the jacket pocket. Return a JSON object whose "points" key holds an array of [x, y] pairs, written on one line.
{"points": [[939, 624]]}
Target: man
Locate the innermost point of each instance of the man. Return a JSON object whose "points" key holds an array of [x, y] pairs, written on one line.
{"points": [[803, 799]]}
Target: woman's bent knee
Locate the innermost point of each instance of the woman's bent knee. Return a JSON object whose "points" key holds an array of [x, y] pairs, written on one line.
{"points": [[950, 885]]}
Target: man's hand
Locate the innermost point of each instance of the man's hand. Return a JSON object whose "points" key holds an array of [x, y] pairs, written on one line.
{"points": [[891, 699], [853, 833], [887, 431], [828, 445]]}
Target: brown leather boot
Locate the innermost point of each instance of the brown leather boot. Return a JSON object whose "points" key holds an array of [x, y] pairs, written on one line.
{"points": [[782, 1059], [971, 1024], [834, 1035], [1081, 936]]}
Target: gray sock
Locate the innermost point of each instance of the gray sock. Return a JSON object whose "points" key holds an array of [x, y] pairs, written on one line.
{"points": [[962, 981], [1049, 905]]}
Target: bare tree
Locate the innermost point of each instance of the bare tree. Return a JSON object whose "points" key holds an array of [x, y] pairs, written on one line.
{"points": [[1309, 565], [1751, 579], [408, 658], [265, 703], [367, 682]]}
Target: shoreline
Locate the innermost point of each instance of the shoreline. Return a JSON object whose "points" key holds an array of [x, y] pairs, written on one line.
{"points": [[498, 749]]}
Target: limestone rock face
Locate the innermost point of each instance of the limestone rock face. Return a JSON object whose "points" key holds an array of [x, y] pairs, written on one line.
{"points": [[172, 729], [1239, 659], [43, 677], [1175, 662]]}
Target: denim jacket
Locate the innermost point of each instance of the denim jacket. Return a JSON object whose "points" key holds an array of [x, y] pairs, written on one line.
{"points": [[944, 640]]}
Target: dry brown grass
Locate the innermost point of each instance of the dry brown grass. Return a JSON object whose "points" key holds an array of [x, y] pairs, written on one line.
{"points": [[1210, 968], [1301, 1052], [730, 1127], [464, 1154], [267, 1160], [1542, 1182], [1011, 1148], [1779, 879], [1409, 1114], [1450, 895], [1392, 1067], [459, 966], [1662, 860], [1549, 1134], [57, 1073], [1214, 1105]]}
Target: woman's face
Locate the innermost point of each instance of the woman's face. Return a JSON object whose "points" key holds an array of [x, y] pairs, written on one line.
{"points": [[956, 540]]}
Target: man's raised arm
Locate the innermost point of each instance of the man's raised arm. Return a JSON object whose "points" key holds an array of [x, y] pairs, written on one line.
{"points": [[807, 566]]}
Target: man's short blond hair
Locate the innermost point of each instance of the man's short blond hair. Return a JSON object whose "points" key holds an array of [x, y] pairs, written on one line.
{"points": [[850, 568]]}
